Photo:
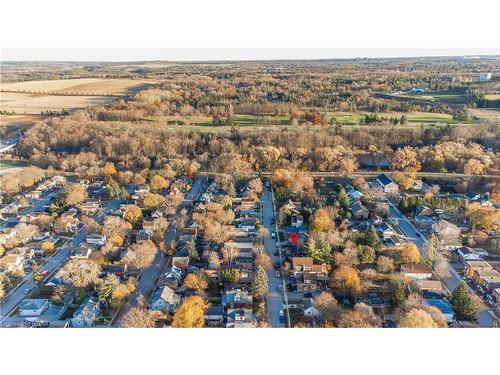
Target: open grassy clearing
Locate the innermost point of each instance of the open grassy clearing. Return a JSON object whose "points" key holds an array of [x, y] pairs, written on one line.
{"points": [[11, 125], [485, 114], [492, 96], [9, 163]]}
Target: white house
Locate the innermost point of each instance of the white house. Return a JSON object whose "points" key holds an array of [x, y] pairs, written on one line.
{"points": [[309, 309], [386, 183], [86, 314], [33, 307], [164, 298], [96, 239]]}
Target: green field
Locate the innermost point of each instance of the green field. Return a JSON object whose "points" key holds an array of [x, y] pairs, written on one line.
{"points": [[7, 163]]}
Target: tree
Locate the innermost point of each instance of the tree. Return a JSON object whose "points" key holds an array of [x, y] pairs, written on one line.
{"points": [[321, 221], [256, 185], [344, 200], [463, 303], [404, 158], [327, 306], [260, 283], [115, 226], [371, 237], [133, 214], [142, 255], [362, 316], [230, 275], [398, 294], [366, 254], [120, 294], [196, 281], [213, 260], [229, 253], [81, 273], [109, 170], [75, 194], [192, 251], [37, 275], [417, 318], [263, 260], [191, 313], [385, 264], [347, 277], [152, 200], [25, 232], [158, 183], [138, 317], [410, 253], [113, 188], [320, 251], [474, 166], [106, 287]]}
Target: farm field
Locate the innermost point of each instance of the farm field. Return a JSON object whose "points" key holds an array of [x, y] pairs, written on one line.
{"points": [[85, 86], [33, 97], [36, 103]]}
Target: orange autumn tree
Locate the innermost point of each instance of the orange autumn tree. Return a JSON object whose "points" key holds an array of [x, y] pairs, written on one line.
{"points": [[191, 313], [347, 277]]}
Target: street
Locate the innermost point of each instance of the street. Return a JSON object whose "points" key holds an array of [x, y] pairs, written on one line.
{"points": [[52, 263], [274, 300], [149, 277], [484, 316]]}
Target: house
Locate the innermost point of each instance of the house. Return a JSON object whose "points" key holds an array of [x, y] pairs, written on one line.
{"points": [[447, 232], [171, 277], [96, 239], [11, 263], [214, 316], [353, 194], [496, 295], [27, 252], [89, 207], [67, 224], [248, 223], [387, 184], [237, 299], [83, 252], [416, 271], [430, 285], [308, 308], [444, 306], [385, 230], [297, 220], [423, 216], [7, 234], [240, 318], [141, 189], [151, 223], [359, 211], [181, 262], [164, 298], [481, 277], [466, 253], [302, 264], [33, 307], [472, 267], [87, 313]]}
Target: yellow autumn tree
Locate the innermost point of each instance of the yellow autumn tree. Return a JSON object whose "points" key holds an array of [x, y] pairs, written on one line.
{"points": [[133, 214], [109, 169], [321, 221], [347, 277], [190, 313], [410, 253]]}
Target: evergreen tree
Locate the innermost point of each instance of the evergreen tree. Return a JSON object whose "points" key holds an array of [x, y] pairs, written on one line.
{"points": [[344, 200], [320, 251], [371, 237], [260, 283], [463, 304], [398, 295], [113, 188]]}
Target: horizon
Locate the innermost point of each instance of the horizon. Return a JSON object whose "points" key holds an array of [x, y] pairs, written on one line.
{"points": [[211, 55]]}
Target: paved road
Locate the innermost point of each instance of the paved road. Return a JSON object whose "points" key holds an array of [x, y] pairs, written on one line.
{"points": [[52, 263], [149, 277], [484, 316], [274, 298]]}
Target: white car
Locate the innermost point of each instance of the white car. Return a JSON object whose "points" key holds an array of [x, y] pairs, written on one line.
{"points": [[278, 274], [273, 234]]}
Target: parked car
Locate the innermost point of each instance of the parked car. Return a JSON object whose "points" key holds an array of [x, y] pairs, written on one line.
{"points": [[278, 275], [273, 234], [28, 290], [282, 316]]}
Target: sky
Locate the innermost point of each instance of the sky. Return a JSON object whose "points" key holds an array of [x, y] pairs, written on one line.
{"points": [[218, 54]]}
